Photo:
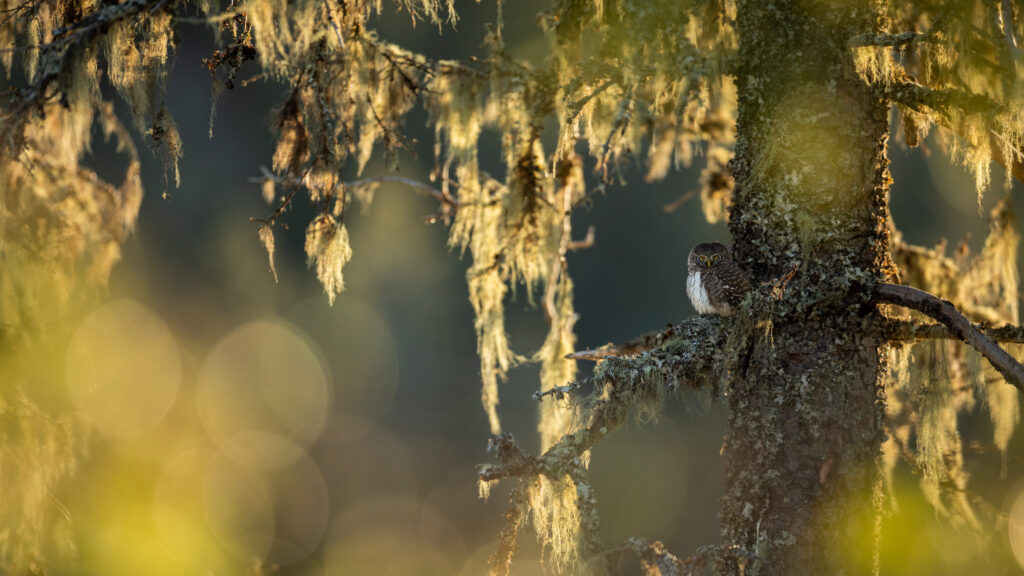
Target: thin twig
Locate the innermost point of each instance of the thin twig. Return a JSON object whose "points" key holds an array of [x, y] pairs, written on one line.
{"points": [[619, 125], [587, 242], [577, 107], [330, 18], [1006, 15], [296, 184], [944, 312], [676, 204], [559, 392], [30, 5], [558, 262], [447, 201]]}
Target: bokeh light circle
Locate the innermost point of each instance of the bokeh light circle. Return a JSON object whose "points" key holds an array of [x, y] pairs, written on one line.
{"points": [[302, 506], [1015, 526], [123, 369], [238, 507], [363, 539], [264, 376], [363, 359], [376, 463], [271, 508]]}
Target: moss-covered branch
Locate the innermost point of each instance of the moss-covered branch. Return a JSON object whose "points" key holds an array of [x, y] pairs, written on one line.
{"points": [[622, 389], [917, 95], [950, 101], [637, 345], [54, 60]]}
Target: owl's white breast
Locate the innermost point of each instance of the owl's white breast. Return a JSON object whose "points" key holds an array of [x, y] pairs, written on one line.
{"points": [[698, 295]]}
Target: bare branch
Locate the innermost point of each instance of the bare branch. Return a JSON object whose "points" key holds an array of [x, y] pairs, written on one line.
{"points": [[916, 95], [330, 18], [676, 204], [576, 107], [587, 242], [944, 312], [284, 204], [446, 200]]}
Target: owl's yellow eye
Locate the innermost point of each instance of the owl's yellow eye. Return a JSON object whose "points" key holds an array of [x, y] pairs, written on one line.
{"points": [[715, 258], [703, 258]]}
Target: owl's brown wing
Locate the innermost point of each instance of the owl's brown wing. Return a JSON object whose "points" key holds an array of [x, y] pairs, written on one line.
{"points": [[727, 285]]}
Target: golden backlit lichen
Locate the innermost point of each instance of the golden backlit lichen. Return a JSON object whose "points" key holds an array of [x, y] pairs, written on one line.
{"points": [[40, 452], [267, 238], [328, 250], [556, 519], [932, 383]]}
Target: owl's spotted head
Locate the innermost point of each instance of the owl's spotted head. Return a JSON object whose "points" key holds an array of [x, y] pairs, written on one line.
{"points": [[707, 255]]}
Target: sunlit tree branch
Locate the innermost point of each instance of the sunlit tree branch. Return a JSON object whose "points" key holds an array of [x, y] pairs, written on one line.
{"points": [[944, 312]]}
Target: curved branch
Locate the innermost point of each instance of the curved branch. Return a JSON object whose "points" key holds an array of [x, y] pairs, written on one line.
{"points": [[944, 312]]}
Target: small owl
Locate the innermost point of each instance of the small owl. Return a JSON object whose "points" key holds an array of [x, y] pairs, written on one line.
{"points": [[715, 284]]}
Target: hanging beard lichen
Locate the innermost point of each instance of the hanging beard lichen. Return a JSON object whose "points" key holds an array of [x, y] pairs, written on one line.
{"points": [[933, 382], [925, 69], [40, 452], [61, 232], [327, 250]]}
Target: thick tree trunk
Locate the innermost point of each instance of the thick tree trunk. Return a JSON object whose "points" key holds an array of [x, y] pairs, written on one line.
{"points": [[805, 423]]}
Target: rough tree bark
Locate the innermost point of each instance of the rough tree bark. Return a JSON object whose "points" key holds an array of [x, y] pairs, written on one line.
{"points": [[809, 219]]}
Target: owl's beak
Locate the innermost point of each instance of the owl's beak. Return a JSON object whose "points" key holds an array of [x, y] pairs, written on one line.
{"points": [[709, 263]]}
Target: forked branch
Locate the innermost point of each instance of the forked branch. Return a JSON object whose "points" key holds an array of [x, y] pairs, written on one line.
{"points": [[623, 389], [945, 313]]}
